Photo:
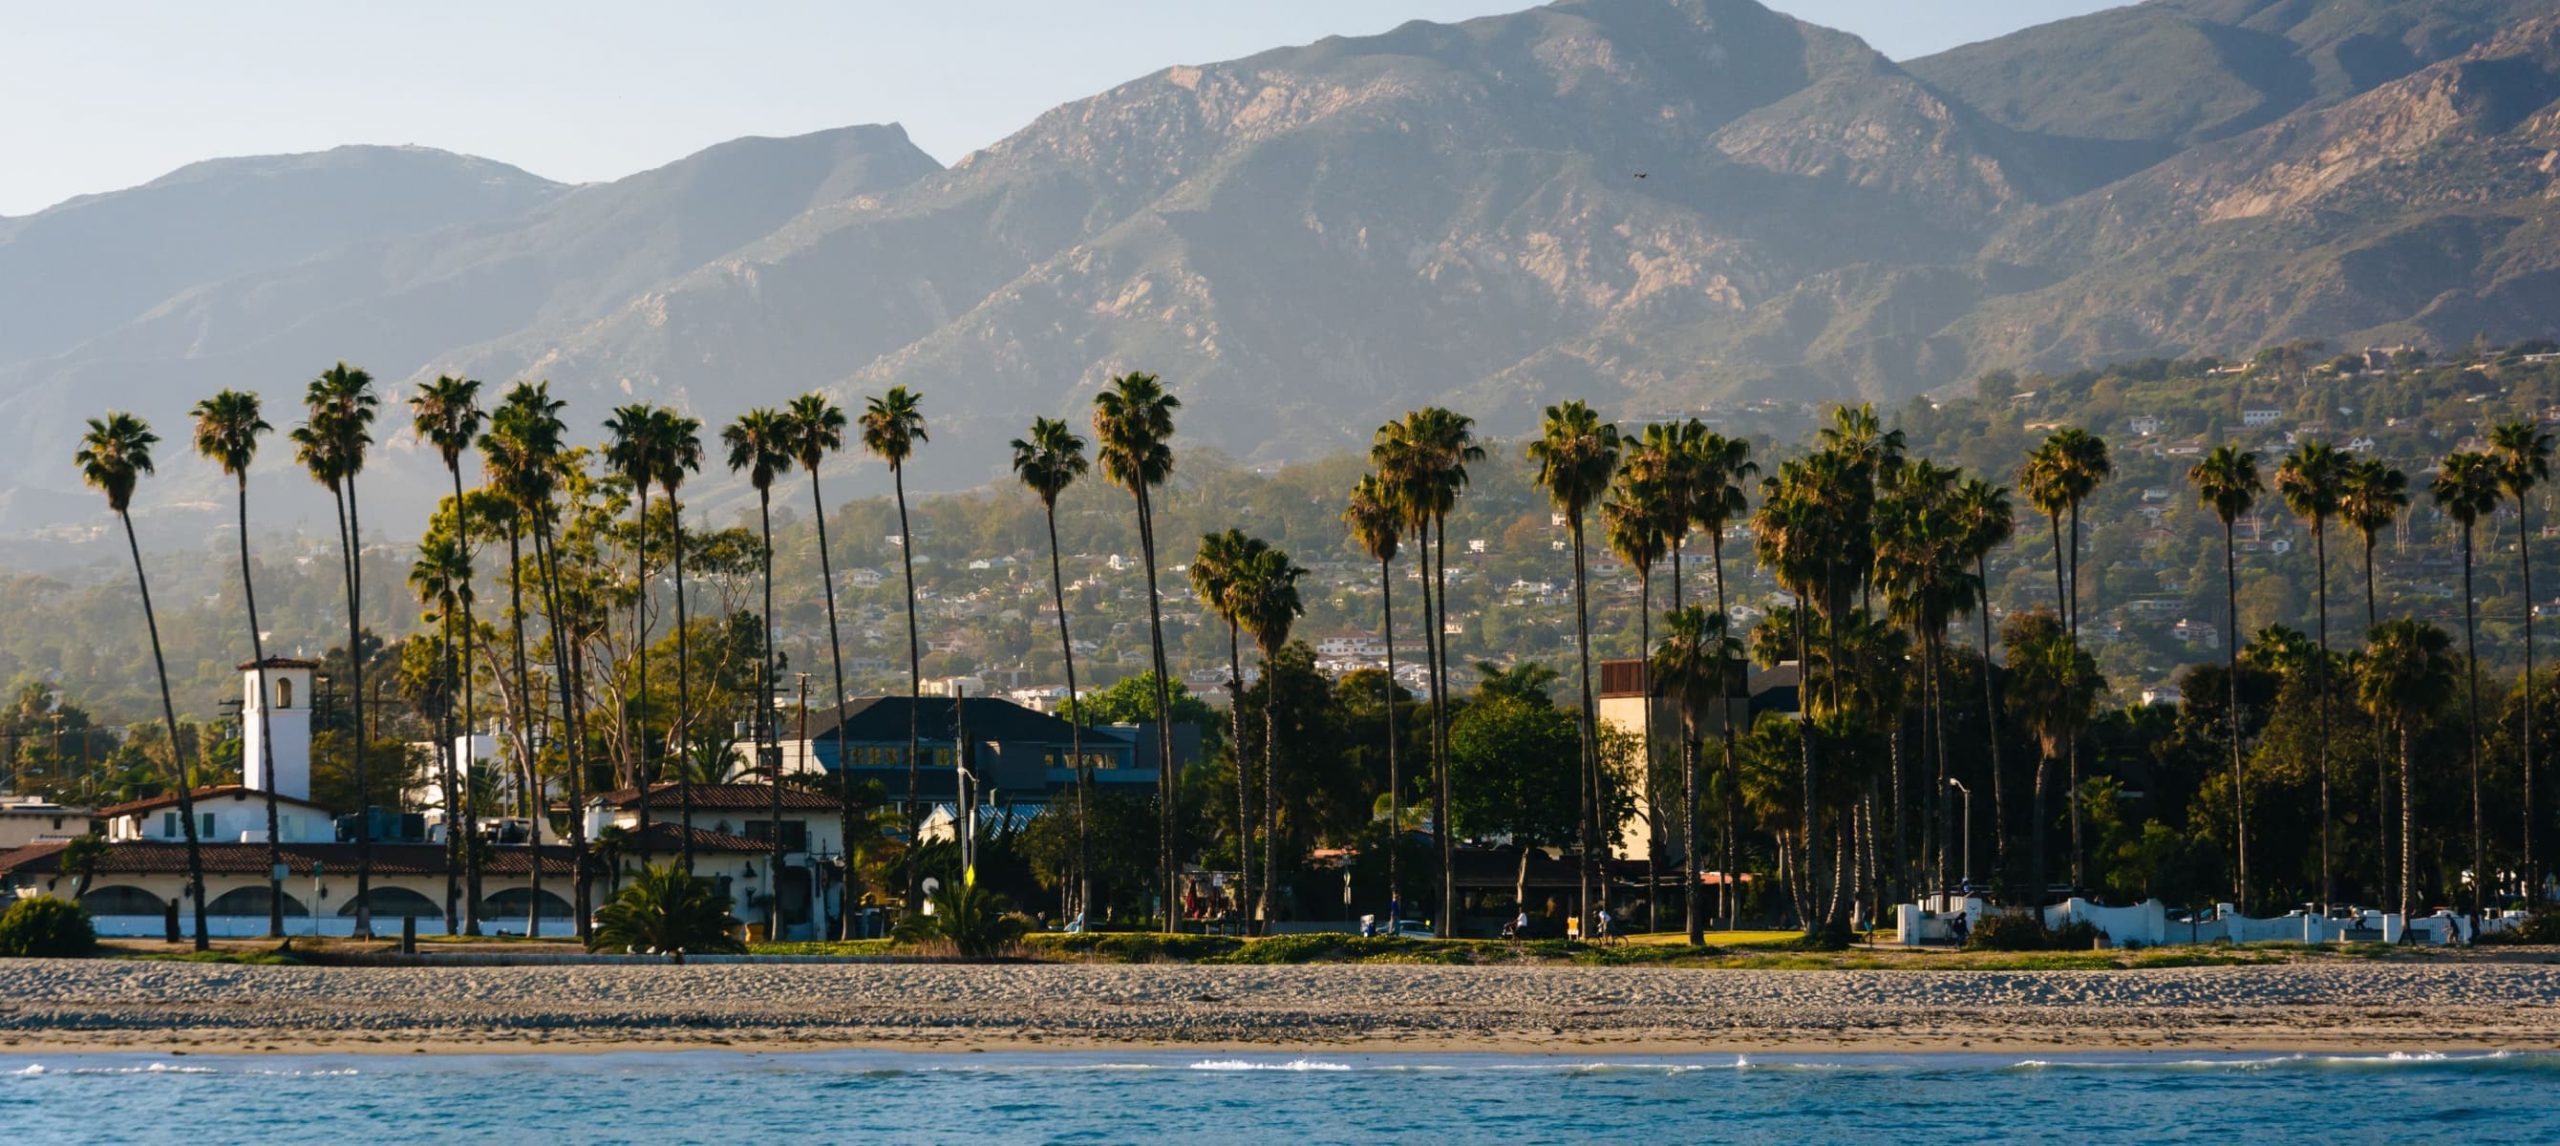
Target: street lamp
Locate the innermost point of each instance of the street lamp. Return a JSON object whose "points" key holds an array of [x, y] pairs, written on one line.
{"points": [[1958, 785]]}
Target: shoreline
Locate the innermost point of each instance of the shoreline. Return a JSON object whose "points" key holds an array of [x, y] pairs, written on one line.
{"points": [[100, 1007]]}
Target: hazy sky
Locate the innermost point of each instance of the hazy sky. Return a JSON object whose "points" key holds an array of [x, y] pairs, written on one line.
{"points": [[102, 94]]}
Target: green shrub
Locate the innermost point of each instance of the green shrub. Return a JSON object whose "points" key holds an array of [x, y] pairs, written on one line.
{"points": [[47, 927], [669, 912], [2538, 929], [2025, 931], [1137, 946], [976, 922]]}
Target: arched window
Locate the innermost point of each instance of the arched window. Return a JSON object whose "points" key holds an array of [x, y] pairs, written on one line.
{"points": [[394, 902], [284, 692], [513, 902], [121, 900], [252, 901]]}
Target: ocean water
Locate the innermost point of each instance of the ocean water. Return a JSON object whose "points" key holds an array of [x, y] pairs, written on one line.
{"points": [[1247, 1097]]}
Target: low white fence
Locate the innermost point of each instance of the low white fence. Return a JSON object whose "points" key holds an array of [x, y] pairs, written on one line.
{"points": [[2147, 924]]}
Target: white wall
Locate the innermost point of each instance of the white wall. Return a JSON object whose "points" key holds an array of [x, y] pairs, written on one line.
{"points": [[287, 708]]}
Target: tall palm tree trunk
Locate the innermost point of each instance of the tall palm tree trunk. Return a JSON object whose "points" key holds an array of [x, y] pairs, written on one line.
{"points": [[533, 800], [2381, 756], [1808, 875], [2408, 827], [1438, 541], [355, 671], [1244, 773], [1991, 733], [2320, 682], [915, 696], [266, 738], [2524, 560], [835, 656], [2471, 735], [470, 796], [1075, 729], [1591, 842], [453, 839], [641, 774], [564, 675], [2231, 678], [2036, 831], [769, 741], [1653, 822], [1166, 776], [177, 750], [1432, 634], [1730, 894], [682, 732], [2071, 798], [1395, 776], [1270, 787]]}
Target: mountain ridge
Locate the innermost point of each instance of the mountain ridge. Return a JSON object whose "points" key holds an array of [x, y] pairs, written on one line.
{"points": [[1653, 204]]}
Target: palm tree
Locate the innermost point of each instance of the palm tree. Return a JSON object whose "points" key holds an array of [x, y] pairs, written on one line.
{"points": [[2064, 471], [1268, 587], [227, 426], [1049, 461], [2523, 453], [113, 456], [892, 428], [636, 449], [1133, 431], [2467, 489], [441, 579], [526, 462], [1925, 572], [762, 445], [1790, 533], [537, 484], [2226, 482], [674, 449], [1632, 520], [341, 407], [446, 415], [2310, 480], [1983, 510], [2371, 495], [2406, 674], [1375, 521], [2054, 686], [817, 430], [1217, 575], [1723, 469], [1424, 459], [1691, 666], [2045, 477], [1576, 454]]}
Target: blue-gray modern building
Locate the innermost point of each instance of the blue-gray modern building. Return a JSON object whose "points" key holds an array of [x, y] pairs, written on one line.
{"points": [[1019, 755]]}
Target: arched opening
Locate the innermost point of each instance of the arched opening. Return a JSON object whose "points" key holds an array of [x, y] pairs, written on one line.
{"points": [[123, 900], [284, 692], [394, 902], [251, 901], [511, 904]]}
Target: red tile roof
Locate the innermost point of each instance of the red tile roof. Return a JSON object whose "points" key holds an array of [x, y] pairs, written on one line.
{"points": [[153, 857], [215, 792]]}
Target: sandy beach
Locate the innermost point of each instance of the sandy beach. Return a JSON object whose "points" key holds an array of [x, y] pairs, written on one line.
{"points": [[105, 1005]]}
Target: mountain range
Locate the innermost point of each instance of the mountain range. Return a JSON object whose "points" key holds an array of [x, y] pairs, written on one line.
{"points": [[1656, 205]]}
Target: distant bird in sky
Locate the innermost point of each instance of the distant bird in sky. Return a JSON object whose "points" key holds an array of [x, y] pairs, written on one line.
{"points": [[1641, 174]]}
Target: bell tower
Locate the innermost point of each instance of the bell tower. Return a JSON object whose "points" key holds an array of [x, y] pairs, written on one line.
{"points": [[277, 717]]}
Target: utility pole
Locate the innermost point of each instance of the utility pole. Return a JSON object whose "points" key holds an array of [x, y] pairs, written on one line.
{"points": [[1958, 785]]}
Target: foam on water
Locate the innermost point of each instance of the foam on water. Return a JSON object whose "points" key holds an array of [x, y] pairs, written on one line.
{"points": [[1299, 1065], [1245, 1094]]}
